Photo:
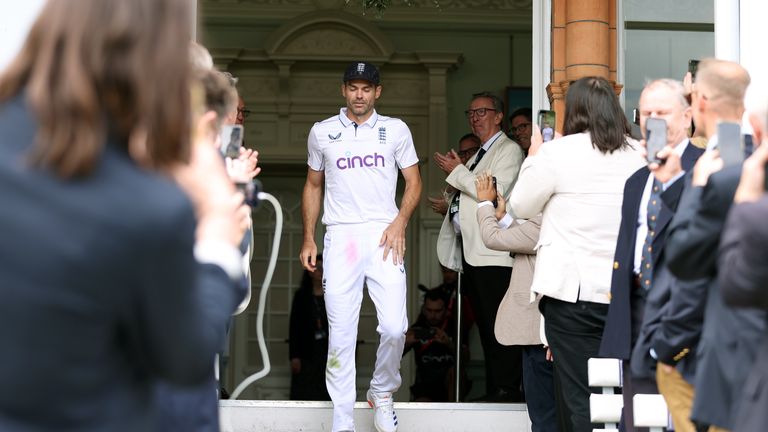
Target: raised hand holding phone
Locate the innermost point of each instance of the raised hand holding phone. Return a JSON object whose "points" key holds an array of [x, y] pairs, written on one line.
{"points": [[546, 121], [486, 189], [231, 140], [655, 138], [730, 143]]}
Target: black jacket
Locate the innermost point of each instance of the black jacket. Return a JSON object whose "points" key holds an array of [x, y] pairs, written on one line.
{"points": [[101, 294]]}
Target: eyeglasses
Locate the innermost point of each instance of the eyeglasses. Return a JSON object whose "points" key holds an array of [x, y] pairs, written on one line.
{"points": [[480, 112], [243, 112], [519, 128], [468, 152]]}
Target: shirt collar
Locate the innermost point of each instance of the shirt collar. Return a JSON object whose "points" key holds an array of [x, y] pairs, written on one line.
{"points": [[487, 145], [680, 148], [371, 122], [712, 143]]}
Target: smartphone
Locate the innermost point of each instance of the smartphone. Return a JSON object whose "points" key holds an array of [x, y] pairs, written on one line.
{"points": [[250, 191], [730, 143], [655, 138], [231, 140], [424, 333], [636, 116], [546, 122], [693, 66], [495, 201]]}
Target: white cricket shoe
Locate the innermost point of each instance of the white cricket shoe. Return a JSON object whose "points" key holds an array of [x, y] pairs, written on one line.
{"points": [[384, 417]]}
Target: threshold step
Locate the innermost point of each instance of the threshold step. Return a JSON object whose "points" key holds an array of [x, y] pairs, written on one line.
{"points": [[298, 416]]}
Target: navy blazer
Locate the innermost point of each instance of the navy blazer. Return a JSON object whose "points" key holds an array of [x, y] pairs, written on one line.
{"points": [[671, 325], [744, 252], [729, 337], [101, 294], [625, 312]]}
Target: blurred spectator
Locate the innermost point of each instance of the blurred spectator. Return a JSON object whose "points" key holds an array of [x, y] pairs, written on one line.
{"points": [[577, 182], [744, 252], [459, 246], [308, 338], [242, 113], [195, 408], [638, 259], [112, 276], [729, 338], [520, 122], [469, 144], [518, 319], [435, 351]]}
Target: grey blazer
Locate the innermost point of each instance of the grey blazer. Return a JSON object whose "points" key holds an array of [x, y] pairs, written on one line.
{"points": [[518, 319]]}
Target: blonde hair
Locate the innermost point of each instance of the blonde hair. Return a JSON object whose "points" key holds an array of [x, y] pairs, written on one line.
{"points": [[726, 83]]}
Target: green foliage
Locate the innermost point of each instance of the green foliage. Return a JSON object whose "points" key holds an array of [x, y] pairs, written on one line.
{"points": [[379, 6]]}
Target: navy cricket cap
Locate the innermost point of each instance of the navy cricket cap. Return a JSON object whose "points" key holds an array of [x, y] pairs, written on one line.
{"points": [[362, 71]]}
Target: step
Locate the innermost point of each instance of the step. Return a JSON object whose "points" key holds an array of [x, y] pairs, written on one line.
{"points": [[297, 416]]}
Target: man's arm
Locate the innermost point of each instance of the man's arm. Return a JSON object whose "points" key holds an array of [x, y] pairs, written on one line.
{"points": [[310, 210], [744, 252], [505, 166], [679, 329], [691, 246], [393, 238], [519, 238]]}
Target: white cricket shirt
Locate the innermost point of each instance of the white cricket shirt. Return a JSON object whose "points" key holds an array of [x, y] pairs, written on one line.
{"points": [[361, 164]]}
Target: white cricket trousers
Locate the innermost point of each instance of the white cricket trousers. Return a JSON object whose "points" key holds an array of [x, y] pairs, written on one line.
{"points": [[352, 256]]}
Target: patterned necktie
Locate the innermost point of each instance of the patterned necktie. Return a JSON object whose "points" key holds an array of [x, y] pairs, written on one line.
{"points": [[646, 262], [480, 155], [454, 207]]}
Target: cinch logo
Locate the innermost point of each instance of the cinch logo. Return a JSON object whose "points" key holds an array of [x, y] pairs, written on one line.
{"points": [[350, 161]]}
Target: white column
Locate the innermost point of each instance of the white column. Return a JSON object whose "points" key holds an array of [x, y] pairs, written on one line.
{"points": [[621, 50], [753, 33], [16, 17], [727, 29], [542, 54]]}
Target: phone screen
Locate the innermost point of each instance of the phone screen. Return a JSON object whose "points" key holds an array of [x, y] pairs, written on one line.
{"points": [[231, 140], [495, 201], [546, 122], [729, 143], [655, 137]]}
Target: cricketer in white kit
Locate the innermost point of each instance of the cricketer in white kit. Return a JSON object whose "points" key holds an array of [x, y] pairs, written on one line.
{"points": [[356, 155]]}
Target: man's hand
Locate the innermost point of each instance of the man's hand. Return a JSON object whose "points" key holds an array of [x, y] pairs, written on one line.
{"points": [[244, 168], [439, 205], [218, 206], [708, 164], [671, 167], [393, 240], [665, 367], [410, 338], [485, 189], [308, 255], [447, 162], [752, 183], [442, 337]]}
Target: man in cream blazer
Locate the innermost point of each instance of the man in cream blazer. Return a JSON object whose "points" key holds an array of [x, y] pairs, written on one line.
{"points": [[485, 272]]}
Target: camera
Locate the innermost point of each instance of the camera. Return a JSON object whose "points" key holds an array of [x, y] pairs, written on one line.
{"points": [[424, 333]]}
